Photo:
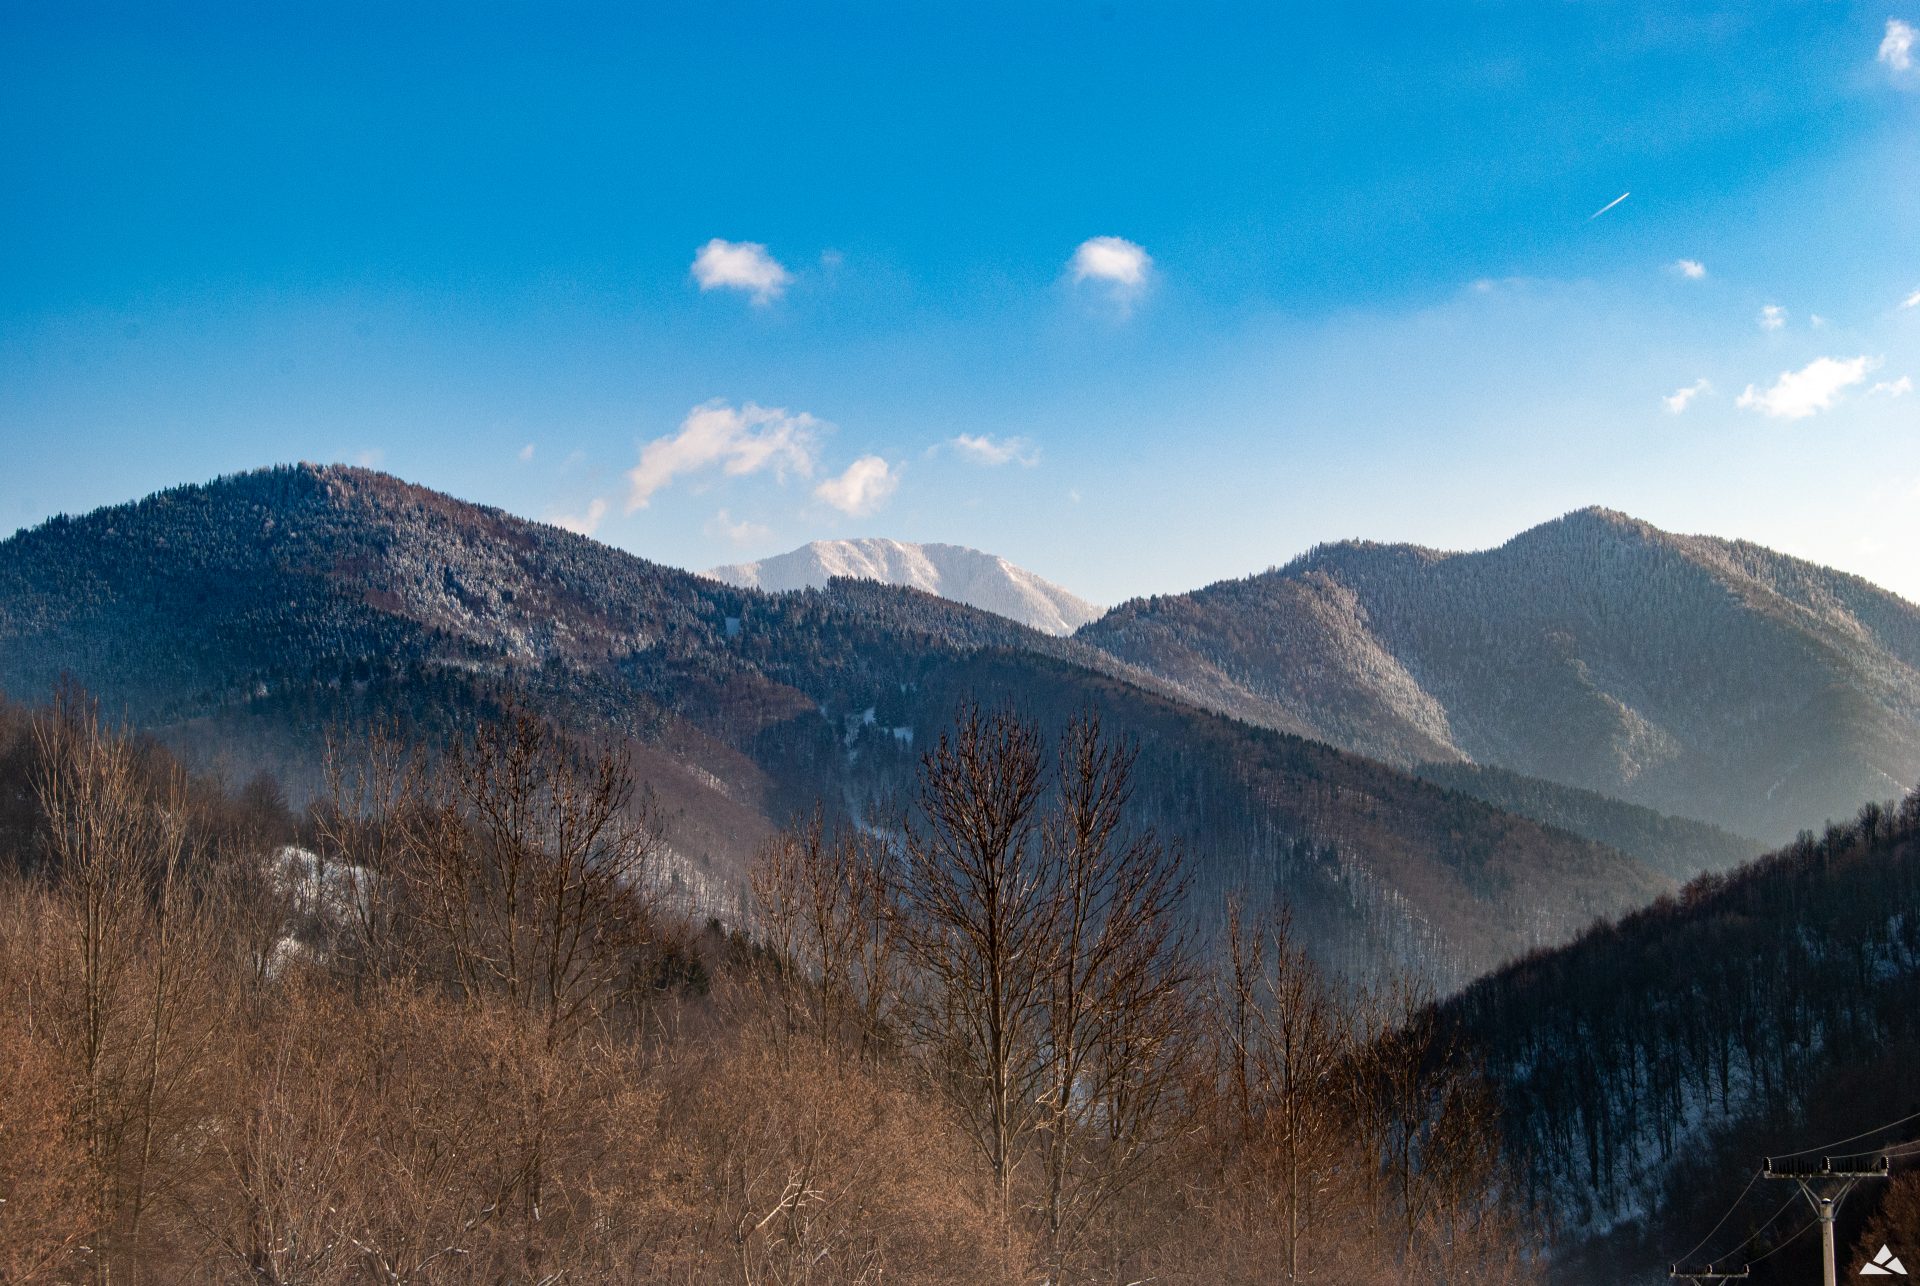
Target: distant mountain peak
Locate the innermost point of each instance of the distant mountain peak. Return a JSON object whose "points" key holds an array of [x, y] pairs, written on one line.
{"points": [[1595, 520], [1697, 676], [955, 572]]}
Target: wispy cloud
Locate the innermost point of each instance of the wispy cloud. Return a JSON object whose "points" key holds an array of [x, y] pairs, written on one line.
{"points": [[1678, 401], [1896, 47], [526, 453], [1122, 266], [742, 441], [741, 265], [1892, 388], [863, 488], [743, 532], [584, 524], [985, 449], [1691, 269], [1814, 387], [1911, 301], [1772, 317]]}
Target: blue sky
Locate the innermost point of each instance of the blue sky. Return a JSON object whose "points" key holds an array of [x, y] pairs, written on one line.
{"points": [[1140, 296]]}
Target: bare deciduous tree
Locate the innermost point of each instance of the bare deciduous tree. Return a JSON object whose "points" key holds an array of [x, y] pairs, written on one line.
{"points": [[1114, 993], [982, 913], [534, 871]]}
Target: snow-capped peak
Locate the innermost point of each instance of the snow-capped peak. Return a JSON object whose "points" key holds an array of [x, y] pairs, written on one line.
{"points": [[955, 572]]}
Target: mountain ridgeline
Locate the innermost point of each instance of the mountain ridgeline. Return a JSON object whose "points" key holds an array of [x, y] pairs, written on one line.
{"points": [[1706, 678], [239, 620]]}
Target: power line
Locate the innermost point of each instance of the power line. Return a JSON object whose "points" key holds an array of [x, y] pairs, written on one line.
{"points": [[1825, 1184], [1708, 1274], [1757, 1232], [1783, 1245], [1828, 1147], [1723, 1219], [1755, 1235]]}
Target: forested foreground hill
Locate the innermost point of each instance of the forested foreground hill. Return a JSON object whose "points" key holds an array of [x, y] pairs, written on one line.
{"points": [[441, 1028], [1700, 677], [1647, 1068], [242, 618]]}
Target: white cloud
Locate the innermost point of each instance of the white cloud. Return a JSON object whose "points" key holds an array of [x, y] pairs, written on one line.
{"points": [[1676, 402], [984, 449], [744, 532], [863, 488], [1911, 301], [1691, 269], [370, 458], [584, 524], [526, 453], [740, 442], [1814, 387], [740, 265], [1120, 265], [1772, 317], [1892, 388], [1896, 49]]}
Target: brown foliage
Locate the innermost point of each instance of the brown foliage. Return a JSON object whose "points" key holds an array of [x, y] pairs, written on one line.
{"points": [[456, 1041]]}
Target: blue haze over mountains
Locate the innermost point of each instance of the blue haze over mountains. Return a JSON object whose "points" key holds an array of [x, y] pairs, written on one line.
{"points": [[1367, 734]]}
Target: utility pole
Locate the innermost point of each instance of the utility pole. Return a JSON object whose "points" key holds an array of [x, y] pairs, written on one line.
{"points": [[1708, 1274], [1825, 1184]]}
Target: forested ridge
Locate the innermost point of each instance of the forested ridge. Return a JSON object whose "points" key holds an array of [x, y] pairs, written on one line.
{"points": [[1678, 846], [241, 618], [1699, 677], [1646, 1069]]}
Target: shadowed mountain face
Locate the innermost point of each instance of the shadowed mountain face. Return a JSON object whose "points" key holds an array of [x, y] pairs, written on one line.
{"points": [[1646, 1069], [951, 571], [243, 618], [1696, 676]]}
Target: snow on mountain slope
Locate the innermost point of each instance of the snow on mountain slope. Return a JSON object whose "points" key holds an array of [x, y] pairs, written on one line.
{"points": [[950, 571]]}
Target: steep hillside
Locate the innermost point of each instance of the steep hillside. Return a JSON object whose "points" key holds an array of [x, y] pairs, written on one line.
{"points": [[1647, 1068], [240, 618], [950, 571], [1696, 676]]}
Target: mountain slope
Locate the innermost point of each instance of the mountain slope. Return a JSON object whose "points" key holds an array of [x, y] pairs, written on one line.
{"points": [[1696, 676], [241, 618], [1646, 1068], [951, 571]]}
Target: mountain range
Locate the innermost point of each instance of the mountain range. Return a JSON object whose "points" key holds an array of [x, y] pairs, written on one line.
{"points": [[1708, 678], [954, 572], [1651, 1010], [240, 620]]}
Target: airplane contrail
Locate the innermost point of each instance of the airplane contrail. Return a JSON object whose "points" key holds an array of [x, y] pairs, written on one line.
{"points": [[1608, 206]]}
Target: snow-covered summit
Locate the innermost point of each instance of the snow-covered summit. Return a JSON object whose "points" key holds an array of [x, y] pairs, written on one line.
{"points": [[951, 571]]}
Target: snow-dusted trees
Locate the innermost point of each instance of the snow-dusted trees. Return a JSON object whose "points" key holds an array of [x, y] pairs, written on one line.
{"points": [[1649, 1065]]}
